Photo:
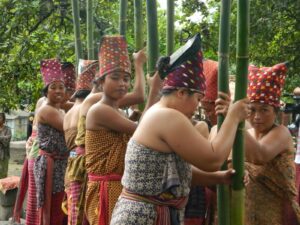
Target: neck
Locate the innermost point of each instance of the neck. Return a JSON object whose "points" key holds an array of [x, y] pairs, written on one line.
{"points": [[109, 101]]}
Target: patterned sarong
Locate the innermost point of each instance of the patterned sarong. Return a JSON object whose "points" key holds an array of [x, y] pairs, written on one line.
{"points": [[105, 152], [271, 187], [104, 194]]}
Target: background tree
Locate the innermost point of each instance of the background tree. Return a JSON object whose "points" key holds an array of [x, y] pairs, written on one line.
{"points": [[33, 30]]}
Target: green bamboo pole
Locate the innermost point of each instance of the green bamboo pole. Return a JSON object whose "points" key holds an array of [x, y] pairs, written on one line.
{"points": [[138, 22], [78, 46], [138, 31], [223, 193], [170, 27], [238, 190], [122, 18], [152, 37], [90, 30]]}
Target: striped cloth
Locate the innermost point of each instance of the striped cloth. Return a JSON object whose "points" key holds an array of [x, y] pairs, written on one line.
{"points": [[31, 209], [75, 188]]}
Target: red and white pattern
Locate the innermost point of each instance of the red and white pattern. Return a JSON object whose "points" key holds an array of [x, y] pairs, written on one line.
{"points": [[68, 70], [51, 71], [188, 75], [113, 55], [266, 84], [85, 79]]}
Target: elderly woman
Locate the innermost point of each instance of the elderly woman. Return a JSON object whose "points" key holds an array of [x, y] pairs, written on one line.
{"points": [[269, 151], [5, 136]]}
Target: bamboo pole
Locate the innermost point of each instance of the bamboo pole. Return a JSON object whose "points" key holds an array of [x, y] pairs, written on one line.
{"points": [[242, 58], [122, 18], [223, 193], [152, 37], [138, 22], [78, 46], [170, 27], [90, 30]]}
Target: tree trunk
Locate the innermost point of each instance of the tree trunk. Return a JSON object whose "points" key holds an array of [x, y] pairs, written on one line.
{"points": [[78, 47], [238, 190], [152, 38], [122, 18], [223, 193], [170, 27]]}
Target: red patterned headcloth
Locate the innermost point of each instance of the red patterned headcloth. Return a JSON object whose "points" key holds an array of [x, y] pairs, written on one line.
{"points": [[188, 75], [69, 75], [210, 70], [113, 55], [266, 83], [86, 78], [51, 71]]}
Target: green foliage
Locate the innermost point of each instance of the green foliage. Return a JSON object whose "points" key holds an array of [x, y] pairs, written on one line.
{"points": [[34, 30]]}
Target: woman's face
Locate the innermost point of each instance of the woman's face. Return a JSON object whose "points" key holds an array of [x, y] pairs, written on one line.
{"points": [[262, 116], [56, 92], [191, 102], [116, 84]]}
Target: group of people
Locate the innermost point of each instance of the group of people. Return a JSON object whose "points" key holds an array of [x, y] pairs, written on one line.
{"points": [[86, 159]]}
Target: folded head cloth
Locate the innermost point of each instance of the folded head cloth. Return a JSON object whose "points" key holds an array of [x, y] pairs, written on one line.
{"points": [[210, 70], [266, 83], [51, 71], [85, 78], [68, 70], [185, 68], [113, 55]]}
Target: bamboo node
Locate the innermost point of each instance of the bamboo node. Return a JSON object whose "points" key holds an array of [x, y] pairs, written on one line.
{"points": [[223, 55]]}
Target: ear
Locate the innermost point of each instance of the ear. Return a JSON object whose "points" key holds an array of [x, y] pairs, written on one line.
{"points": [[180, 92]]}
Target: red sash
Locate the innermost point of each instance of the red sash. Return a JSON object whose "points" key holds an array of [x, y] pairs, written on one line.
{"points": [[162, 209], [103, 194], [45, 211]]}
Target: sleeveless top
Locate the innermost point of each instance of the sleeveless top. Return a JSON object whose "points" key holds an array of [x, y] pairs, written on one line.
{"points": [[271, 185], [151, 173], [51, 141]]}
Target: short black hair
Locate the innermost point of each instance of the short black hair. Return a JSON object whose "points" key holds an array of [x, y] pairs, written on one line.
{"points": [[82, 93], [45, 90], [169, 91]]}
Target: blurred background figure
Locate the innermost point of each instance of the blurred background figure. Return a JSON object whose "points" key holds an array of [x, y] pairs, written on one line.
{"points": [[5, 137]]}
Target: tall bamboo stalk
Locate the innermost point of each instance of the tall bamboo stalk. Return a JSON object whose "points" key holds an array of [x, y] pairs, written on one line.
{"points": [[78, 46], [238, 190], [170, 27], [223, 65], [122, 18], [138, 24], [152, 38], [90, 30]]}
